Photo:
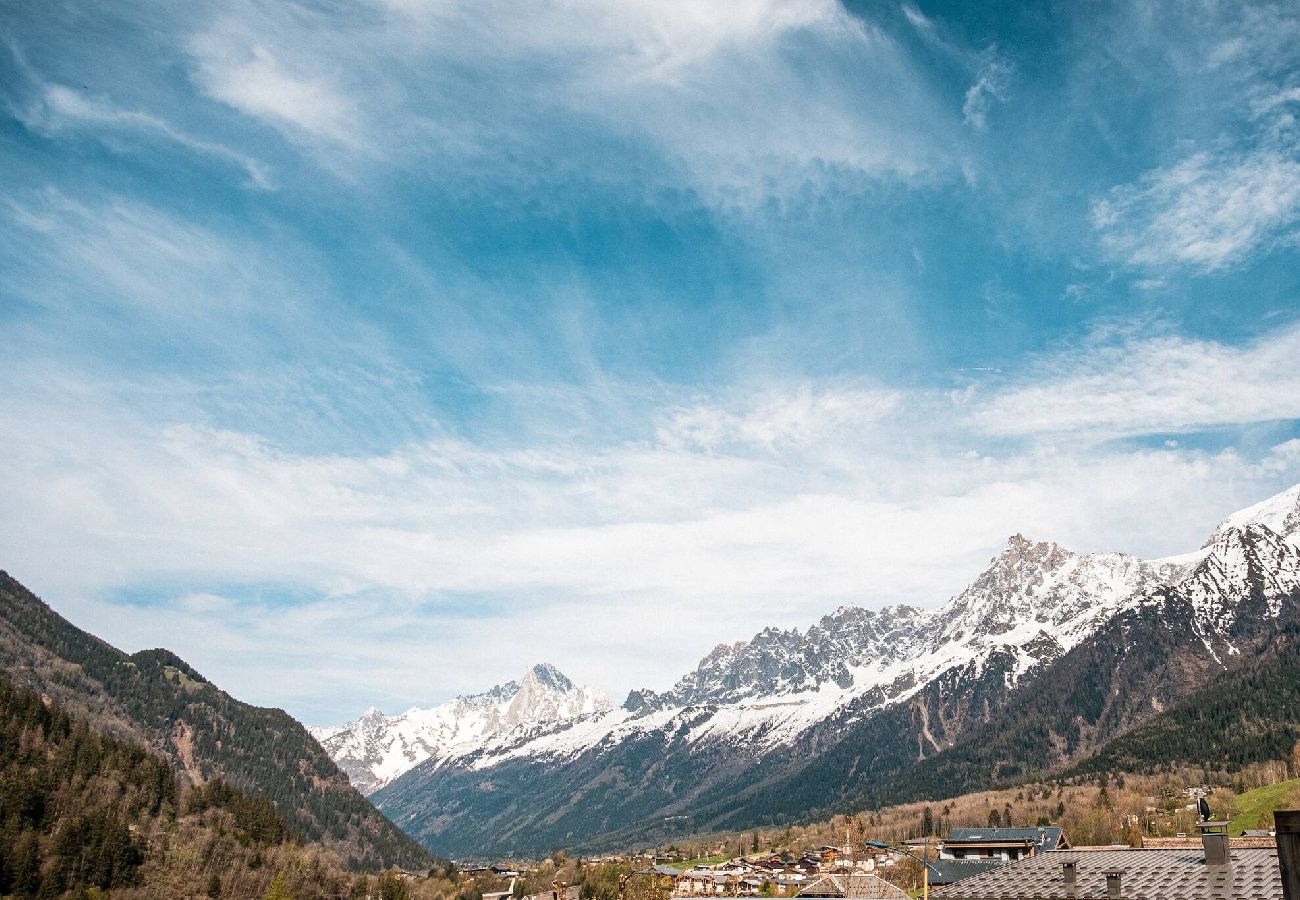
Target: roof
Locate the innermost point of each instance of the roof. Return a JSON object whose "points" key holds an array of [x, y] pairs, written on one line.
{"points": [[948, 871], [859, 887], [1147, 875], [1047, 837]]}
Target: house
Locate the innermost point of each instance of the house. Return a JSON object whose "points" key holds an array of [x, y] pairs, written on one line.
{"points": [[859, 887], [1004, 844], [1216, 870]]}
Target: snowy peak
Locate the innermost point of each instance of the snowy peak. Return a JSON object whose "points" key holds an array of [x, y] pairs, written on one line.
{"points": [[549, 677], [1279, 513], [1035, 586], [545, 696], [1034, 602], [376, 748], [784, 662], [1251, 561]]}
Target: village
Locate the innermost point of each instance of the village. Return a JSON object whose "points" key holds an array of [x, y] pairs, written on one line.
{"points": [[974, 863]]}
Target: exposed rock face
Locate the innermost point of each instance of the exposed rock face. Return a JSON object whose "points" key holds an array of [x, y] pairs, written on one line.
{"points": [[774, 725], [376, 748]]}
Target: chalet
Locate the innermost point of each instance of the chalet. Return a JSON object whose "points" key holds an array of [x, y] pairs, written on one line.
{"points": [[860, 887], [1002, 844]]}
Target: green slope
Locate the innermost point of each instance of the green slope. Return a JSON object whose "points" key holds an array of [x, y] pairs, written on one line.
{"points": [[155, 699], [1255, 804]]}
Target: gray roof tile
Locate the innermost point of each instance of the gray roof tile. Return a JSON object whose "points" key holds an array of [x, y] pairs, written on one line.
{"points": [[1147, 875]]}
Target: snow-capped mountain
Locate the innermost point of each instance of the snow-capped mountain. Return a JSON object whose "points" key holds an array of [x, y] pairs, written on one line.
{"points": [[865, 692], [376, 748], [1033, 602]]}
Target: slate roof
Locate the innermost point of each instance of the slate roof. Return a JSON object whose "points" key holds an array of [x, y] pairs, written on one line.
{"points": [[1045, 836], [948, 871], [858, 887], [1148, 875]]}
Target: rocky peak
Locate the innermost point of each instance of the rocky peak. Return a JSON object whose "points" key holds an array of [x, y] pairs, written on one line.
{"points": [[1279, 513], [1247, 561], [1034, 585], [376, 748]]}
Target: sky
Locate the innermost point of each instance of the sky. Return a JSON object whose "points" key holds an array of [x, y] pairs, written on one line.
{"points": [[370, 351]]}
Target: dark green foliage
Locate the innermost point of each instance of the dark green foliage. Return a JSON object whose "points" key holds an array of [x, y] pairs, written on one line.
{"points": [[154, 698], [68, 799], [1249, 715], [392, 887], [256, 820], [72, 802]]}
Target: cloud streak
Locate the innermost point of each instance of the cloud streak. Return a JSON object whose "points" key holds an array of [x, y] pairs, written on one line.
{"points": [[55, 109], [1208, 211], [1135, 385]]}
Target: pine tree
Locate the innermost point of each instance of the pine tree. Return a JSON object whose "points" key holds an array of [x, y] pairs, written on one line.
{"points": [[278, 890]]}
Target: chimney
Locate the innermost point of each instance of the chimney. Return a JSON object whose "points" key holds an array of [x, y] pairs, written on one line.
{"points": [[1287, 825], [1113, 877], [1070, 871], [1214, 837]]}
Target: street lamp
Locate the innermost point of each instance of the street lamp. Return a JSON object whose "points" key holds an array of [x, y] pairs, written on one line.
{"points": [[881, 845]]}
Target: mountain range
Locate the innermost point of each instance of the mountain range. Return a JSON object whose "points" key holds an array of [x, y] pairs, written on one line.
{"points": [[1047, 659]]}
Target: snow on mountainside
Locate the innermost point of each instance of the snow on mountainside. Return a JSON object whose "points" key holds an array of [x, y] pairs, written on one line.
{"points": [[1280, 513], [377, 748], [1032, 604], [1035, 601], [1250, 559], [793, 722]]}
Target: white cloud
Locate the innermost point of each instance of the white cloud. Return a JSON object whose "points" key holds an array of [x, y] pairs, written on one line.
{"points": [[803, 415], [1143, 385], [627, 558], [251, 78], [56, 108], [743, 100], [992, 82], [1209, 211], [1231, 185]]}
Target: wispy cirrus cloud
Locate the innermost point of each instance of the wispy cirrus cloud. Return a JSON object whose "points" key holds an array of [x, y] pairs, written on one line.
{"points": [[992, 82], [56, 109], [743, 100], [802, 415], [251, 78], [1223, 197], [1131, 385], [1209, 211]]}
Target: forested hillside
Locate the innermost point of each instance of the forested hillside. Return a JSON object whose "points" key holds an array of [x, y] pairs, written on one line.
{"points": [[1249, 715], [156, 700], [1103, 698], [82, 811]]}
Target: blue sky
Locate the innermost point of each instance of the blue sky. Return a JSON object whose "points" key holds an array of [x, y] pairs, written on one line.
{"points": [[370, 352]]}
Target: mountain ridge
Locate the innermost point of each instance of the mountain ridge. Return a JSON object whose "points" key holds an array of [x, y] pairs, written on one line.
{"points": [[155, 700], [787, 723]]}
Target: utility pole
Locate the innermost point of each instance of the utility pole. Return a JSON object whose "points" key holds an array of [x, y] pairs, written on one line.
{"points": [[925, 871]]}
